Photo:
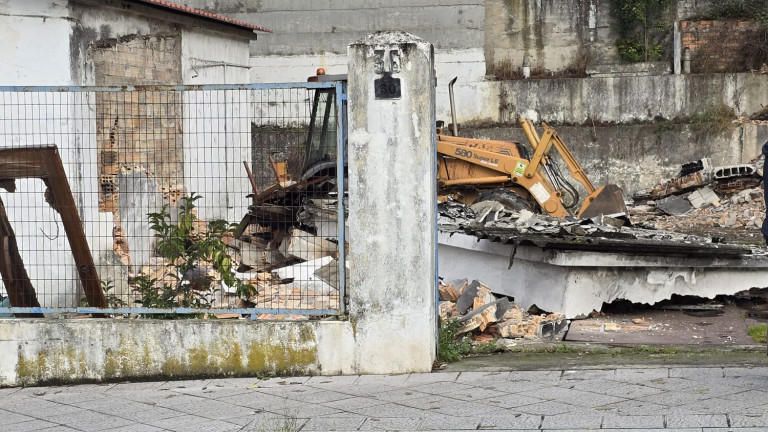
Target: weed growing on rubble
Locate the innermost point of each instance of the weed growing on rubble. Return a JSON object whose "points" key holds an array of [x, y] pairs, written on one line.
{"points": [[189, 254], [715, 118], [486, 348], [758, 332], [450, 346]]}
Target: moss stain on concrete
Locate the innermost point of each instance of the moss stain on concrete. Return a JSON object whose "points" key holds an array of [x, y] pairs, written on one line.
{"points": [[66, 363], [282, 351]]}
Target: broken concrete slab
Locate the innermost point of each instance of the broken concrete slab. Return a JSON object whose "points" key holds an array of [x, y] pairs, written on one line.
{"points": [[306, 246], [676, 186], [304, 271], [576, 282], [674, 205], [329, 273]]}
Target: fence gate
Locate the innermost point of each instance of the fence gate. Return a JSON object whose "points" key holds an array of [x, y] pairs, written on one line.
{"points": [[221, 200]]}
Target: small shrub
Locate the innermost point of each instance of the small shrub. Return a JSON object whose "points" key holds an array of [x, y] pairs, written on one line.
{"points": [[112, 300], [450, 346], [754, 53], [188, 254], [715, 118], [756, 10], [758, 332], [641, 28]]}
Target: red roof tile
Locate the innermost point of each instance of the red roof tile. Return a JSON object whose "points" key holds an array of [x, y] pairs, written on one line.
{"points": [[204, 14]]}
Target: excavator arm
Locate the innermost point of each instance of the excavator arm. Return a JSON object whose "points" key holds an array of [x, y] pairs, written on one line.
{"points": [[497, 168], [605, 200]]}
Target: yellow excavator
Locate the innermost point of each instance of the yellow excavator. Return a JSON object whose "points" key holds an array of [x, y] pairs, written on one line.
{"points": [[472, 170]]}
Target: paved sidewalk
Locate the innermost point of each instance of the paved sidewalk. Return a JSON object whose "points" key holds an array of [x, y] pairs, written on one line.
{"points": [[625, 399]]}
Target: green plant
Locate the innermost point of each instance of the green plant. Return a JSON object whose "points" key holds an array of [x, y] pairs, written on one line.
{"points": [[285, 424], [450, 345], [714, 118], [189, 254], [758, 332], [486, 348], [641, 27], [756, 10], [112, 300]]}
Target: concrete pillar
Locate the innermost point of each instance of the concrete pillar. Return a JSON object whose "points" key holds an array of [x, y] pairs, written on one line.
{"points": [[677, 41], [392, 203], [686, 60]]}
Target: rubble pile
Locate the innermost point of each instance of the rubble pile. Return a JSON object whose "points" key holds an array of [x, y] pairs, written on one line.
{"points": [[487, 317], [492, 217], [726, 203]]}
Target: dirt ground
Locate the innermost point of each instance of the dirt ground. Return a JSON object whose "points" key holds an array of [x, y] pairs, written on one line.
{"points": [[684, 331]]}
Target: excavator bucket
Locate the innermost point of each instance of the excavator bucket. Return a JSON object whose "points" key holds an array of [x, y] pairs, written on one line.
{"points": [[607, 200]]}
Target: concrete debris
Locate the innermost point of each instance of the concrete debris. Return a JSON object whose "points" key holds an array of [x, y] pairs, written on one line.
{"points": [[519, 226], [743, 170], [731, 218], [704, 197], [674, 205], [286, 246], [492, 318], [675, 186]]}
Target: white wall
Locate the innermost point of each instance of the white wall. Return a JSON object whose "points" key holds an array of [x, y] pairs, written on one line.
{"points": [[217, 124], [209, 57], [471, 90], [46, 43], [26, 26]]}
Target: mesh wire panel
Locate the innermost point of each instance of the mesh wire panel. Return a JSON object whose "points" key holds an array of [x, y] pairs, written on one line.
{"points": [[202, 199]]}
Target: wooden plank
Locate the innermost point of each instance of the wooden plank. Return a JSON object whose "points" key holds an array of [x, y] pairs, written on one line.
{"points": [[70, 218], [250, 178], [15, 278], [23, 162]]}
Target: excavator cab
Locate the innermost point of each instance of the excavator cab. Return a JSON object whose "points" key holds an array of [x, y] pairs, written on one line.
{"points": [[322, 137]]}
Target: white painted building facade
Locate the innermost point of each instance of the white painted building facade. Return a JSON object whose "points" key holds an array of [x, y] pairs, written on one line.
{"points": [[55, 43]]}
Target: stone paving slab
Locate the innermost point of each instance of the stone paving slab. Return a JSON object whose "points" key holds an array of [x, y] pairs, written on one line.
{"points": [[673, 399]]}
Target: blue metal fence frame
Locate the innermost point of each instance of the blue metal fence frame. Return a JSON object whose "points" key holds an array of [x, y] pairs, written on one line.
{"points": [[341, 100]]}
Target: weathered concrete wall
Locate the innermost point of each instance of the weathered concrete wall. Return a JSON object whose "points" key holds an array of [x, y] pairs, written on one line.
{"points": [[619, 99], [639, 156], [688, 8], [208, 57], [391, 204], [301, 27], [553, 33], [33, 352]]}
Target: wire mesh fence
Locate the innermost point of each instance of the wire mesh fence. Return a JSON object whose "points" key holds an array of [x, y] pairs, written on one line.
{"points": [[206, 199]]}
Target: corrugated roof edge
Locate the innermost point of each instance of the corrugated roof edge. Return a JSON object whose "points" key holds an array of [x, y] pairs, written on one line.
{"points": [[202, 14]]}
